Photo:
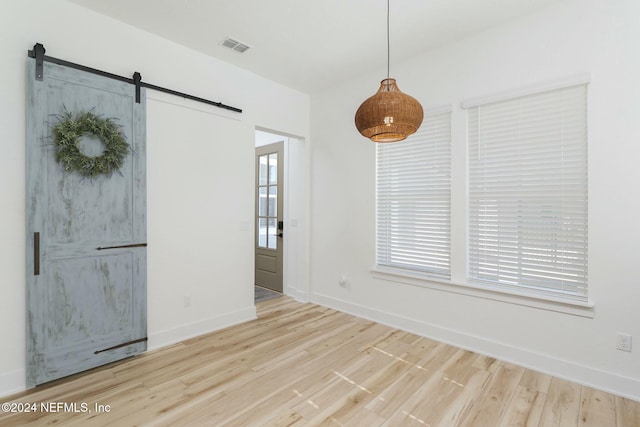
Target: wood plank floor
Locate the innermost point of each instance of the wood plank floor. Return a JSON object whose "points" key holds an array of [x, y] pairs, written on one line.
{"points": [[302, 364]]}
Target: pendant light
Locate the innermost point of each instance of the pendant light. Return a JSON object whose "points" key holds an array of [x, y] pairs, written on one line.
{"points": [[389, 115]]}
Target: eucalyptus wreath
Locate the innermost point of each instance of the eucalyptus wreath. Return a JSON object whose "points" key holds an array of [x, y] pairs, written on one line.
{"points": [[67, 133]]}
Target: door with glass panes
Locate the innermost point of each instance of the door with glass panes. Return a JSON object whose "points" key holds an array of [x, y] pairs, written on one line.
{"points": [[269, 222]]}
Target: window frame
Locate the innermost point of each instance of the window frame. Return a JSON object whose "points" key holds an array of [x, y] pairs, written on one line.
{"points": [[527, 162], [459, 282], [440, 259]]}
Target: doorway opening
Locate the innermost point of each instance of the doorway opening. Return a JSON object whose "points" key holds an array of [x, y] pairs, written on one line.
{"points": [[280, 217]]}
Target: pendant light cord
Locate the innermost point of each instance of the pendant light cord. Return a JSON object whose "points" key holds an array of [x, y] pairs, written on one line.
{"points": [[388, 45]]}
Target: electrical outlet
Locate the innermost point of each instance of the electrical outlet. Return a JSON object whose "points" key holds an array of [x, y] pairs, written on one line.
{"points": [[342, 281], [187, 301], [624, 342]]}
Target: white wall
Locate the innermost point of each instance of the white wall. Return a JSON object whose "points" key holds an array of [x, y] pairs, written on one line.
{"points": [[200, 169], [597, 36]]}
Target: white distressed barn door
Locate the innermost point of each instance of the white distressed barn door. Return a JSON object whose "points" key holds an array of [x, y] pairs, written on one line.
{"points": [[85, 306]]}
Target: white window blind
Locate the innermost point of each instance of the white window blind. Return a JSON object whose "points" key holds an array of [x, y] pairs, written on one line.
{"points": [[528, 193], [413, 192]]}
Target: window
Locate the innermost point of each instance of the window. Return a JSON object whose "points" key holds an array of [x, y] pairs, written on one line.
{"points": [[413, 192], [527, 200], [268, 201]]}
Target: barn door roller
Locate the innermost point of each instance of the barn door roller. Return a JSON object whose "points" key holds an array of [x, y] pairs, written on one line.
{"points": [[39, 50]]}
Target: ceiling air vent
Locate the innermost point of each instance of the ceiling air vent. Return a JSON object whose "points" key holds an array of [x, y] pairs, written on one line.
{"points": [[235, 45]]}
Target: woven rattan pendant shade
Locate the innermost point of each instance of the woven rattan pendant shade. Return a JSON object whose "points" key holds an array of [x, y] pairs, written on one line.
{"points": [[390, 115]]}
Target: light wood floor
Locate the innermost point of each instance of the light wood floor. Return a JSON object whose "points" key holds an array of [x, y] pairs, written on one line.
{"points": [[302, 364]]}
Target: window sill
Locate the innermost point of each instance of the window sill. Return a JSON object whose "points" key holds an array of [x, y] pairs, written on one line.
{"points": [[567, 306]]}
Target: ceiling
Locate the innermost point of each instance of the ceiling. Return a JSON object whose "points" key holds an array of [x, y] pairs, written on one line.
{"points": [[309, 45]]}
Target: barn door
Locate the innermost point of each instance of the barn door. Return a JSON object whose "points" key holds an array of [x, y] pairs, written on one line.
{"points": [[86, 237]]}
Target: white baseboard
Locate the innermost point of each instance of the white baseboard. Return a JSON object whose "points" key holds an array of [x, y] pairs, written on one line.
{"points": [[190, 330], [297, 294], [13, 382], [568, 370]]}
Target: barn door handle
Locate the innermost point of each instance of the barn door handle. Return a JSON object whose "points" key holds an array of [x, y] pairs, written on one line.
{"points": [[36, 253], [135, 245]]}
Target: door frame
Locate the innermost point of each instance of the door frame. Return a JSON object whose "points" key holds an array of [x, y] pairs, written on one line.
{"points": [[296, 202]]}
